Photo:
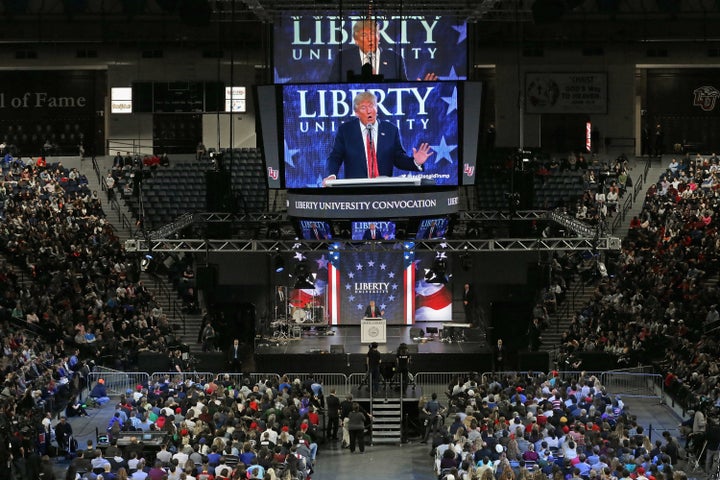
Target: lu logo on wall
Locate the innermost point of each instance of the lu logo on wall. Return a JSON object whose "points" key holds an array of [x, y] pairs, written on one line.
{"points": [[705, 97]]}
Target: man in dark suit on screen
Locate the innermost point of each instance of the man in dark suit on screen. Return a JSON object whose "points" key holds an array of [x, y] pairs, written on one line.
{"points": [[372, 233], [367, 51], [369, 148], [432, 231]]}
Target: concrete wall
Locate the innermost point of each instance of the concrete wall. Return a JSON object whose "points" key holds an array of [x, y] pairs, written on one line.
{"points": [[510, 73], [174, 66]]}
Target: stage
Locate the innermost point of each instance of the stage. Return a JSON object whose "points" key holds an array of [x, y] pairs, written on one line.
{"points": [[339, 349]]}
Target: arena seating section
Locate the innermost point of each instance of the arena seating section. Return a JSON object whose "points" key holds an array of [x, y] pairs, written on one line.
{"points": [[170, 192]]}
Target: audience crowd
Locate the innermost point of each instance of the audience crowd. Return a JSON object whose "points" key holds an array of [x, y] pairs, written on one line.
{"points": [[82, 300], [545, 426], [213, 428], [69, 294], [657, 301]]}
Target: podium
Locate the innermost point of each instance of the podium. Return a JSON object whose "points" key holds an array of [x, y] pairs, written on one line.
{"points": [[373, 330]]}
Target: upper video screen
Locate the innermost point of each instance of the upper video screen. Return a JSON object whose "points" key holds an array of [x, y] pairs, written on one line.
{"points": [[322, 48], [430, 228], [414, 132]]}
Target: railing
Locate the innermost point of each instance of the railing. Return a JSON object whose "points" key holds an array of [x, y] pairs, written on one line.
{"points": [[630, 199], [620, 217], [256, 377], [195, 377], [488, 377], [355, 380], [175, 309], [626, 143], [117, 382], [633, 383], [337, 381], [437, 382], [125, 222], [568, 305], [135, 146]]}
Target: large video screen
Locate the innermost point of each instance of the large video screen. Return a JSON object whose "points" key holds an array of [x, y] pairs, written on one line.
{"points": [[430, 228], [315, 230], [373, 230], [417, 113], [322, 48]]}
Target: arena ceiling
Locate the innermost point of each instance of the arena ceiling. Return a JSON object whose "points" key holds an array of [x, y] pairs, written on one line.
{"points": [[247, 22]]}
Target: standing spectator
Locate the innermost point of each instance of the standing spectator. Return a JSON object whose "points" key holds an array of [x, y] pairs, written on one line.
{"points": [[469, 304], [671, 447], [208, 338], [63, 434], [433, 411], [333, 414], [373, 366], [534, 335], [356, 427], [110, 185], [499, 356], [234, 355], [659, 140]]}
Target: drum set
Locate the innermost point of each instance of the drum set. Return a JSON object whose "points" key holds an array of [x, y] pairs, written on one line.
{"points": [[307, 314], [293, 313]]}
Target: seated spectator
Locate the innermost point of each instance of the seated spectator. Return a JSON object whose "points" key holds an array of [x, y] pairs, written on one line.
{"points": [[99, 392]]}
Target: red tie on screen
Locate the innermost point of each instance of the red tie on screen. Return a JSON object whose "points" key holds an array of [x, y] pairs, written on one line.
{"points": [[371, 155], [370, 60]]}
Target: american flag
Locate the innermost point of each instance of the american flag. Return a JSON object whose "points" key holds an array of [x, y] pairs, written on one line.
{"points": [[355, 278]]}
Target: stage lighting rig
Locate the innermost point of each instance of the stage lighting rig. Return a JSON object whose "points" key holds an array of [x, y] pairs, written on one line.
{"points": [[437, 273], [303, 278]]}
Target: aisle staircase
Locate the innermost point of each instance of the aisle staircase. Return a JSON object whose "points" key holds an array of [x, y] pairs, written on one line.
{"points": [[387, 421], [185, 325], [579, 295]]}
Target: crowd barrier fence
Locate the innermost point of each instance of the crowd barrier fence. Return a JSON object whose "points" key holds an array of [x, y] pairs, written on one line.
{"points": [[632, 383]]}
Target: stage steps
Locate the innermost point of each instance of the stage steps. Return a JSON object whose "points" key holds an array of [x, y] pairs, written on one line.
{"points": [[387, 421]]}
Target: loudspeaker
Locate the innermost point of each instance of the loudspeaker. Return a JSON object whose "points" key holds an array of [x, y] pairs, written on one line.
{"points": [[337, 348], [210, 362], [412, 348], [416, 332], [218, 193], [537, 361], [206, 276], [153, 362]]}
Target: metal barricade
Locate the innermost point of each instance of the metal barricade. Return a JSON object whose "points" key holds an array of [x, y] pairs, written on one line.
{"points": [[330, 381], [179, 377], [354, 381], [117, 382], [487, 377], [440, 382], [635, 385], [255, 378]]}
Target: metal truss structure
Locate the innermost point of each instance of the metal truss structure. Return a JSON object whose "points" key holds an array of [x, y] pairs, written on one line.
{"points": [[194, 245], [160, 241]]}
